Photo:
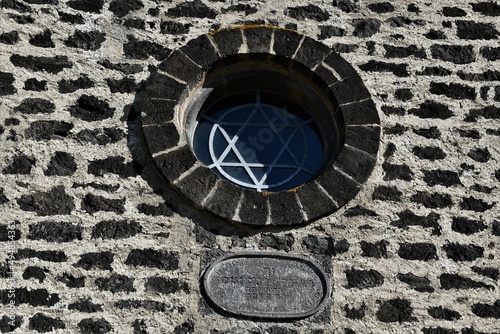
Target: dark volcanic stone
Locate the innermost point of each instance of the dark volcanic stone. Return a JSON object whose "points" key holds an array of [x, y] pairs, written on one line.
{"points": [[55, 231], [50, 256], [439, 330], [34, 272], [443, 313], [325, 245], [432, 200], [441, 177], [435, 71], [165, 285], [72, 281], [278, 242], [417, 251], [51, 65], [395, 310], [90, 108], [254, 208], [489, 112], [430, 133], [431, 109], [285, 209], [22, 19], [86, 40], [46, 130], [346, 6], [401, 52], [457, 54], [43, 39], [114, 165], [4, 230], [8, 324], [38, 297], [408, 218], [188, 328], [496, 228], [363, 279], [381, 7], [487, 8], [93, 203], [122, 7], [387, 193], [355, 313], [453, 281], [21, 164], [113, 229], [490, 272], [15, 5], [454, 12], [94, 326], [101, 136], [122, 67], [366, 27], [393, 172], [201, 51], [32, 84], [52, 202], [420, 284], [476, 30], [61, 164], [198, 184], [310, 12], [487, 311], [490, 53], [467, 226], [161, 209], [399, 70], [6, 84], [429, 153], [71, 18], [174, 27], [151, 305], [161, 137], [454, 91], [3, 198], [125, 85], [475, 204], [329, 31], [116, 283], [85, 305], [479, 154], [90, 6], [10, 38], [194, 8], [458, 252], [377, 249], [176, 162], [70, 86], [258, 39], [91, 261], [359, 211], [43, 324], [137, 49], [403, 94], [435, 34], [153, 258], [35, 106]]}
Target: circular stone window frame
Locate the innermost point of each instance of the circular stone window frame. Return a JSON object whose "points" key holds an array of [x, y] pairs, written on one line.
{"points": [[180, 78]]}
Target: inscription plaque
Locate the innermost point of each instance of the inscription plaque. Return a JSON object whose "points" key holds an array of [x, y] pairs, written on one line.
{"points": [[266, 285]]}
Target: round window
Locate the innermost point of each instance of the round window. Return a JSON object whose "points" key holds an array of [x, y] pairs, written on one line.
{"points": [[263, 125]]}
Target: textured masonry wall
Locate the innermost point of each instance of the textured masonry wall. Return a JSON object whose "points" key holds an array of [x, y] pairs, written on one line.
{"points": [[104, 246]]}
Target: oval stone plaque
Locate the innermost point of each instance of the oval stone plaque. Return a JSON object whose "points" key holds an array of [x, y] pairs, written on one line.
{"points": [[266, 285]]}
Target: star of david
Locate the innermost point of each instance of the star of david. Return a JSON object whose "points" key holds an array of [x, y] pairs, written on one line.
{"points": [[238, 126]]}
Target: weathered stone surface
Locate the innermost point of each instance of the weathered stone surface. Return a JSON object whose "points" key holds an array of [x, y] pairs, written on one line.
{"points": [[396, 310], [363, 279], [116, 283], [399, 70], [85, 305], [286, 42], [6, 84], [180, 66], [35, 106], [52, 202], [417, 251], [61, 164], [94, 203], [459, 252], [165, 285], [93, 325], [225, 199], [310, 12], [285, 209], [52, 231], [49, 64], [420, 284], [453, 281], [139, 49], [153, 258], [21, 164], [122, 7], [296, 286], [454, 53], [201, 51], [254, 209], [89, 108], [43, 324]]}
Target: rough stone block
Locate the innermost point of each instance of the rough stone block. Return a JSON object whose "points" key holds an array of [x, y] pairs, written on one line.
{"points": [[285, 209]]}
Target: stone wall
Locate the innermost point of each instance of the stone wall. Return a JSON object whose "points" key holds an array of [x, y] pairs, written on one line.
{"points": [[102, 244]]}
